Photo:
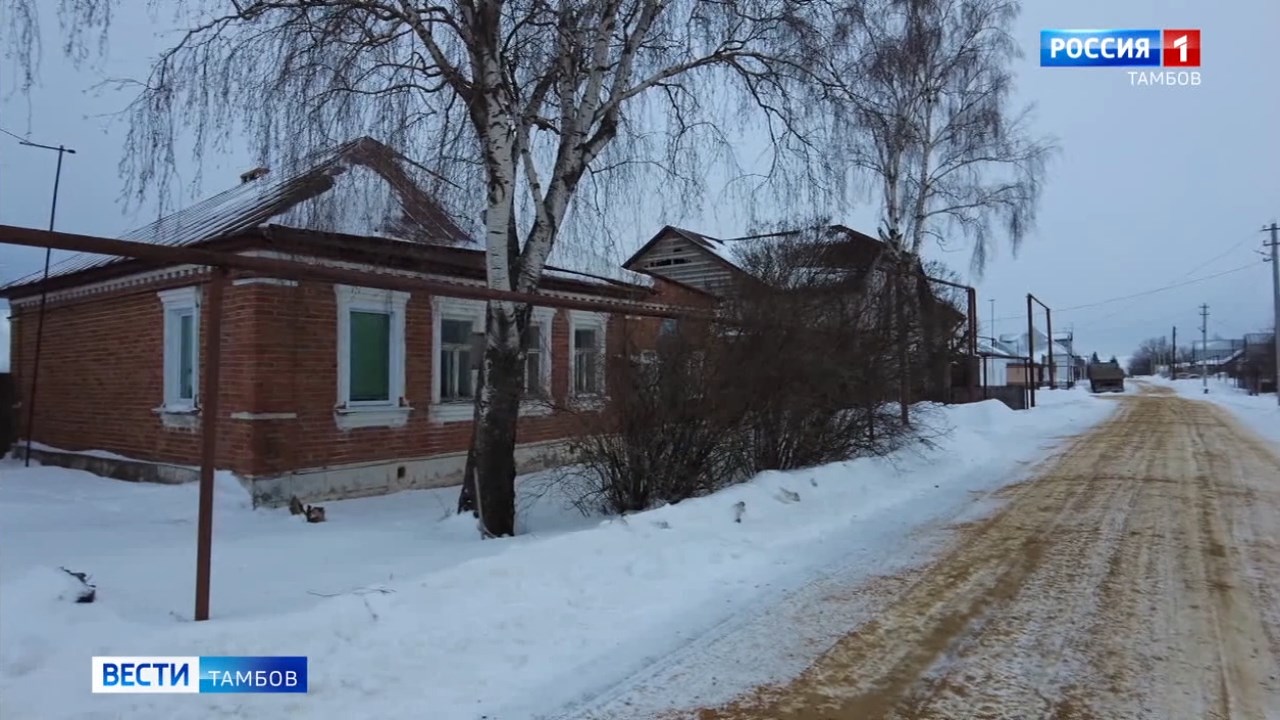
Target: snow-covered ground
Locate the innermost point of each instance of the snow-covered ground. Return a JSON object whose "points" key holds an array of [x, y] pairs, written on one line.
{"points": [[1260, 413], [403, 612]]}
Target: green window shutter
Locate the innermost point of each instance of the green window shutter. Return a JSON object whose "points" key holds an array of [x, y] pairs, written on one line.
{"points": [[370, 361]]}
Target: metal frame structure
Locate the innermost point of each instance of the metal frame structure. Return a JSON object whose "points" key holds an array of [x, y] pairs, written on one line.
{"points": [[1031, 346]]}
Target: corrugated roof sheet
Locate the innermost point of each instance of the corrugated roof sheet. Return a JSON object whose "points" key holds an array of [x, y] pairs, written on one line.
{"points": [[388, 200]]}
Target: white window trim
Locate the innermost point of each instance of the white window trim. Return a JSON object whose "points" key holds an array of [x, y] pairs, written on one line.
{"points": [[599, 322], [544, 318], [371, 413], [443, 308], [177, 300]]}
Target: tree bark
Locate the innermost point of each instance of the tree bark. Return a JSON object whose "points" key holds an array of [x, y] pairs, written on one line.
{"points": [[497, 412], [467, 496], [904, 344]]}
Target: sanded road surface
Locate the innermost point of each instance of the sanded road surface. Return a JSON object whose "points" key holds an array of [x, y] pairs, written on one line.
{"points": [[1136, 575]]}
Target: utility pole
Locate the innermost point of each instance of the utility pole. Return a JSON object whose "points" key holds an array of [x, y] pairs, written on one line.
{"points": [[1275, 297], [993, 320], [1204, 346], [48, 252], [1173, 364]]}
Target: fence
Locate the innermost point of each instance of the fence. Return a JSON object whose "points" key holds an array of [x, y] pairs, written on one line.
{"points": [[1255, 368], [1015, 396]]}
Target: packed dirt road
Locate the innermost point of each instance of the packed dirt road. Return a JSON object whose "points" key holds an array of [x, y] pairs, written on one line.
{"points": [[1136, 575]]}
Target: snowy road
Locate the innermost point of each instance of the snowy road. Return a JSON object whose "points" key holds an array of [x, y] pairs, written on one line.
{"points": [[1134, 576]]}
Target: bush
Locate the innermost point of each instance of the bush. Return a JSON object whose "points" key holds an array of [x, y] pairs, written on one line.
{"points": [[798, 372], [659, 440]]}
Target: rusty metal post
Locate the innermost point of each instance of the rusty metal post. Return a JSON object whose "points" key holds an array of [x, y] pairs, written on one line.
{"points": [[972, 360], [1031, 355], [209, 441], [1048, 323]]}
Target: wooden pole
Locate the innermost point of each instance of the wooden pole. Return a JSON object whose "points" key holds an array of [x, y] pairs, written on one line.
{"points": [[209, 441]]}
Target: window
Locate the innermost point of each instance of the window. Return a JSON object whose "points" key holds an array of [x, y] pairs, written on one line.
{"points": [[181, 349], [455, 360], [453, 388], [454, 380], [587, 358], [533, 361], [370, 367], [371, 357], [537, 360]]}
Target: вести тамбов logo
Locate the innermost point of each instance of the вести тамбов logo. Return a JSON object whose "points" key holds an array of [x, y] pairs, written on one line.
{"points": [[203, 674], [1167, 57]]}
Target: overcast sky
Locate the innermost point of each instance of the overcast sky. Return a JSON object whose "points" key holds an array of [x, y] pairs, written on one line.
{"points": [[1156, 186]]}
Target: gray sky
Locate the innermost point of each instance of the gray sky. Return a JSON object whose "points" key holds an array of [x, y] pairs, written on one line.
{"points": [[1155, 185]]}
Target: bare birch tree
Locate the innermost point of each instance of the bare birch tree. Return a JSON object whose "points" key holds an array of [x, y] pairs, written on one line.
{"points": [[931, 126], [520, 102]]}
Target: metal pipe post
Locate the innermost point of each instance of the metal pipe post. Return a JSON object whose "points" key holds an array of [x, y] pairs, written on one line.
{"points": [[209, 441]]}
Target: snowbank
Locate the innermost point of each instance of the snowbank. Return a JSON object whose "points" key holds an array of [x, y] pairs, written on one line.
{"points": [[403, 612], [1260, 413]]}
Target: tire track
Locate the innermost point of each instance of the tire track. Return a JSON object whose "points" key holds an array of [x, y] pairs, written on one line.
{"points": [[1133, 577]]}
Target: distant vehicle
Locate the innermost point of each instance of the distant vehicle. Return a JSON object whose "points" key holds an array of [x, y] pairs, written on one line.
{"points": [[1106, 377]]}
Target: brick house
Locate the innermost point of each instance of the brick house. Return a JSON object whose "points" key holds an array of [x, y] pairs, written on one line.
{"points": [[717, 267], [326, 390]]}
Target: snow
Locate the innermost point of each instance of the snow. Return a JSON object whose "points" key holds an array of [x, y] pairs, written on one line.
{"points": [[93, 453], [402, 610], [1259, 413]]}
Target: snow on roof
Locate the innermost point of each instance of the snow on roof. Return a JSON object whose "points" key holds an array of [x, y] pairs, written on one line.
{"points": [[368, 189], [987, 346], [1018, 342]]}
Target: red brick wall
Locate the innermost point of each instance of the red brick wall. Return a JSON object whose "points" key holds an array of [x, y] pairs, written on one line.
{"points": [[297, 347], [101, 374]]}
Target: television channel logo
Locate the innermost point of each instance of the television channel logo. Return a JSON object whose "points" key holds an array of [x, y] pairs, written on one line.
{"points": [[203, 674], [1170, 48]]}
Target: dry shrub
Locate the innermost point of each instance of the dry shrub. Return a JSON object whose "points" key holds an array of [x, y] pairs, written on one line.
{"points": [[660, 439], [798, 372]]}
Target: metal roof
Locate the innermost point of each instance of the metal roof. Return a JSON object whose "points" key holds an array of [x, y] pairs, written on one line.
{"points": [[386, 198]]}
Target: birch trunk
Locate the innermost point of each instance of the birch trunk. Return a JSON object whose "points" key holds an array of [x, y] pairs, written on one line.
{"points": [[497, 413]]}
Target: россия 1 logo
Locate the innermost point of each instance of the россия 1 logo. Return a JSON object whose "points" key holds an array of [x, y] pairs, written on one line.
{"points": [[1167, 48]]}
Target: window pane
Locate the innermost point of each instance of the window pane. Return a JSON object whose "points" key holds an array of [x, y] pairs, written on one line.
{"points": [[593, 374], [370, 371], [533, 373], [455, 374], [464, 373], [583, 339], [533, 337], [455, 332], [669, 326], [186, 356], [447, 374], [585, 373]]}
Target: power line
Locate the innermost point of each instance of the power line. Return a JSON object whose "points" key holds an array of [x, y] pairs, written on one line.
{"points": [[13, 135], [1214, 259], [1145, 292]]}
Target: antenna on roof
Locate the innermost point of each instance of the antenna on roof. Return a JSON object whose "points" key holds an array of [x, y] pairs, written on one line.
{"points": [[253, 174]]}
